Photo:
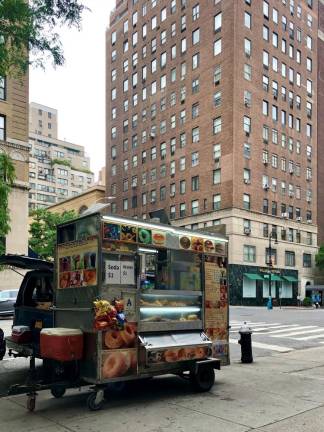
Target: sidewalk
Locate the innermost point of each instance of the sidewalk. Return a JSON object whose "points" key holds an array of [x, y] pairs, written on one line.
{"points": [[281, 393]]}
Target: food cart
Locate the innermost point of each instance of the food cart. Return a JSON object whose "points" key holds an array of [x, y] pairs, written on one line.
{"points": [[135, 299]]}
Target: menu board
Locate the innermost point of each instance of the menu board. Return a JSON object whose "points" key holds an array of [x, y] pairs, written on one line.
{"points": [[77, 264], [119, 271], [216, 307]]}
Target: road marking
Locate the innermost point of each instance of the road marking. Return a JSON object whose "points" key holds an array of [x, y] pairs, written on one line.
{"points": [[267, 346], [283, 330], [261, 329], [310, 337], [298, 332], [249, 324]]}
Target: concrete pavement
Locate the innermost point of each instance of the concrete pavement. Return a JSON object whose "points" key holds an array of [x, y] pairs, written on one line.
{"points": [[281, 393]]}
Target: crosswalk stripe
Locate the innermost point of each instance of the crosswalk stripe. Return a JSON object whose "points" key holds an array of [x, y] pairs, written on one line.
{"points": [[249, 324], [283, 330], [261, 329], [267, 346], [310, 329], [309, 337], [271, 327]]}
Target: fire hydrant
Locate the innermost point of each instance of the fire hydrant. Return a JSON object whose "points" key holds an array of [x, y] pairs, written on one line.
{"points": [[246, 343]]}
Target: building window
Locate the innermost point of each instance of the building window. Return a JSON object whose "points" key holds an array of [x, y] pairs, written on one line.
{"points": [[246, 201], [195, 183], [182, 209], [218, 22], [247, 125], [172, 212], [247, 20], [2, 127], [249, 253], [2, 88], [290, 259], [216, 176], [307, 260], [217, 125], [217, 47], [194, 207], [247, 72], [195, 12], [217, 202]]}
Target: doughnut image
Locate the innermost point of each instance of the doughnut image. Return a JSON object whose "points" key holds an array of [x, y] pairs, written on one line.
{"points": [[113, 339], [144, 236], [116, 364], [190, 353], [171, 356], [200, 353], [182, 354], [128, 335]]}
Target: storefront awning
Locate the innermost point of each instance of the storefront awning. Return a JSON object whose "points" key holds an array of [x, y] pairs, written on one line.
{"points": [[274, 278], [290, 278], [253, 276]]}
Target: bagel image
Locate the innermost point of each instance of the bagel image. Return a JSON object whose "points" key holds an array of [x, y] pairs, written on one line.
{"points": [[113, 339], [128, 335], [116, 364]]}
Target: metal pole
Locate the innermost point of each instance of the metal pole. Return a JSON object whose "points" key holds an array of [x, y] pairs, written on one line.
{"points": [[270, 265]]}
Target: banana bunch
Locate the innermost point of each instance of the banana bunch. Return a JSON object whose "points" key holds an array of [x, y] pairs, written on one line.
{"points": [[102, 308]]}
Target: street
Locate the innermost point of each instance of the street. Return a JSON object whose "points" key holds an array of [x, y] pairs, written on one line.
{"points": [[278, 330], [281, 391]]}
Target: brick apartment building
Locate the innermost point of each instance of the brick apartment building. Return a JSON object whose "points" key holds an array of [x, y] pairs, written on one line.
{"points": [[211, 115]]}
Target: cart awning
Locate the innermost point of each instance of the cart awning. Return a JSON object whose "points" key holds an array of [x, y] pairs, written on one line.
{"points": [[274, 278], [253, 276], [290, 278]]}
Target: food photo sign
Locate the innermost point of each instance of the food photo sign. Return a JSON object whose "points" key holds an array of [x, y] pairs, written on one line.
{"points": [[119, 353], [132, 234], [77, 264], [216, 307]]}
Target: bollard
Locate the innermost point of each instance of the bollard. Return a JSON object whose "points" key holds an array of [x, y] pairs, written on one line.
{"points": [[246, 343]]}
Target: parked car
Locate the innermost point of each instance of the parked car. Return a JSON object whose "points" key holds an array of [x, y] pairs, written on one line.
{"points": [[7, 302], [34, 299]]}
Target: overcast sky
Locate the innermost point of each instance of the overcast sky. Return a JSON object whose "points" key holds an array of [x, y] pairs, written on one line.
{"points": [[77, 90]]}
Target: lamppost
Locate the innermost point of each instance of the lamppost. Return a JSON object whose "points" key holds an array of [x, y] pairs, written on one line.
{"points": [[272, 235]]}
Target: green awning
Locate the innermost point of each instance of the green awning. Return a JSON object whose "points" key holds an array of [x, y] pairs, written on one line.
{"points": [[290, 278], [253, 276], [274, 278]]}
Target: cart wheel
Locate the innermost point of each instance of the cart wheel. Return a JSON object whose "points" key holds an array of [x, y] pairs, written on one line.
{"points": [[58, 391], [204, 379], [95, 401], [31, 402]]}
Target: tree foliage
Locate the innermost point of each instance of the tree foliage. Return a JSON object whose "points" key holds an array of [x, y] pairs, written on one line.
{"points": [[319, 258], [43, 231], [7, 178], [31, 26]]}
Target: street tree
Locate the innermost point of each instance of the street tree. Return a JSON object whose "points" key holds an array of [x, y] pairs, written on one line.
{"points": [[7, 178], [319, 258], [30, 26], [43, 231]]}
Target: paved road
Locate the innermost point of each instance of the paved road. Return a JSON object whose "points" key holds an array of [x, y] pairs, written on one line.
{"points": [[278, 330]]}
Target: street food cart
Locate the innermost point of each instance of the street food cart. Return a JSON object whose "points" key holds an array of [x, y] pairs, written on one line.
{"points": [[135, 299]]}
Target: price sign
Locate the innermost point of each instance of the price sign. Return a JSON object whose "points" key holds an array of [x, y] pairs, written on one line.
{"points": [[112, 272], [127, 274]]}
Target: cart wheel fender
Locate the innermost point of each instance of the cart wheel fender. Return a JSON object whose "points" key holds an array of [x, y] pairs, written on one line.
{"points": [[203, 378], [95, 400], [58, 391]]}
